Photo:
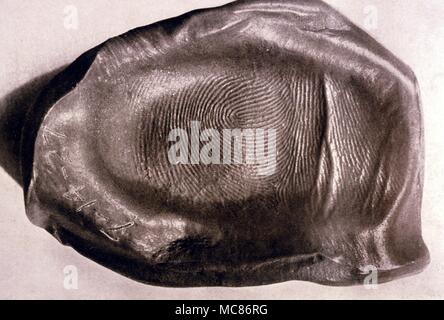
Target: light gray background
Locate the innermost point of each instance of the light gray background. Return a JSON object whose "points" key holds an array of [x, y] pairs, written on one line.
{"points": [[33, 40]]}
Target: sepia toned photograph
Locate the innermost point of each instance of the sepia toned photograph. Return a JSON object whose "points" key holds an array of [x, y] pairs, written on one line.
{"points": [[222, 150]]}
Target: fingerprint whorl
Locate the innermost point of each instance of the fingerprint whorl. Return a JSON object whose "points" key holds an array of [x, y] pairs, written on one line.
{"points": [[255, 99]]}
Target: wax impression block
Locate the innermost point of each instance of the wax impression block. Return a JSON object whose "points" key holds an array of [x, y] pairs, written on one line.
{"points": [[253, 143]]}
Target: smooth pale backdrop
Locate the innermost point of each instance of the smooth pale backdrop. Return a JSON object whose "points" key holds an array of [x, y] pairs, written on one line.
{"points": [[34, 40]]}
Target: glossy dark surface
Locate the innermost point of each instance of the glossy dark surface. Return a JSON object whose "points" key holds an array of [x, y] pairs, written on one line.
{"points": [[346, 193]]}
